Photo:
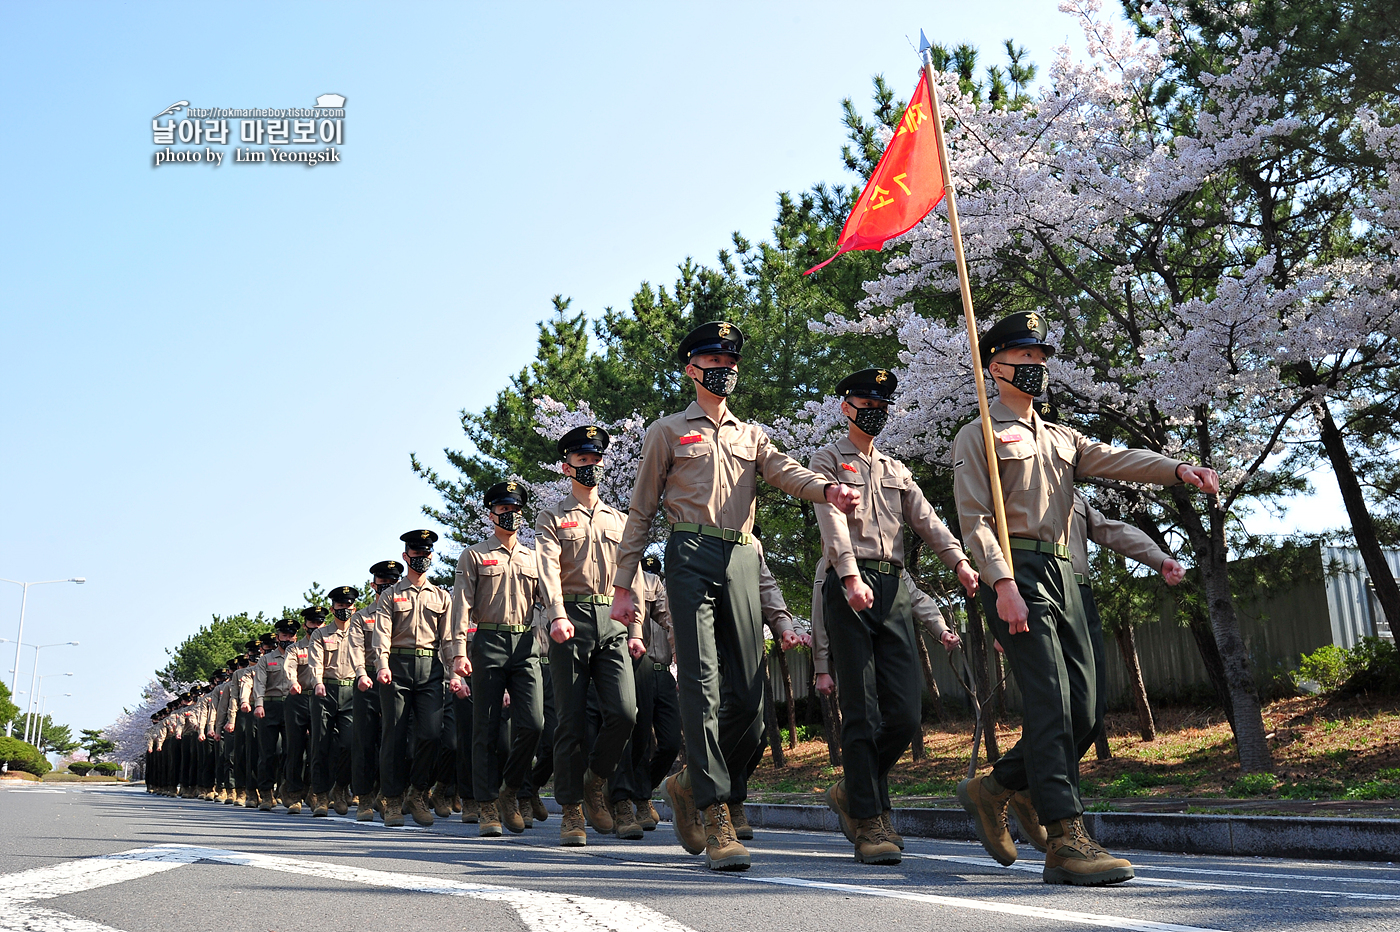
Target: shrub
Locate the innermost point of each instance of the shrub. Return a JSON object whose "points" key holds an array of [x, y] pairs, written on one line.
{"points": [[1254, 784], [80, 767], [108, 768], [22, 756], [1326, 666], [1374, 664]]}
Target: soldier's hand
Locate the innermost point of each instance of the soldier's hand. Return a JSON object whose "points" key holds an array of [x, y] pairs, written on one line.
{"points": [[636, 647], [562, 629], [1011, 608], [997, 644], [624, 607], [320, 689], [1202, 477], [789, 640], [296, 689], [505, 699], [462, 665], [968, 577], [845, 498], [385, 676], [244, 707], [459, 687], [259, 713], [1172, 571], [825, 684], [201, 737], [858, 594], [228, 729], [951, 640], [363, 683]]}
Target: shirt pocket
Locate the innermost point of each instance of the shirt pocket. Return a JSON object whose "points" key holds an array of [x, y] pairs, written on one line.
{"points": [[746, 460], [1017, 466], [892, 492]]}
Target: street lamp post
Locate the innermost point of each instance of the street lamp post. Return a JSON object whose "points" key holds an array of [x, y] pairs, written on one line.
{"points": [[19, 638], [34, 696], [33, 728]]}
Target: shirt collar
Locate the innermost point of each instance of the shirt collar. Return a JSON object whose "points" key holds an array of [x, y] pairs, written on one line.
{"points": [[697, 413], [846, 448], [1000, 412]]}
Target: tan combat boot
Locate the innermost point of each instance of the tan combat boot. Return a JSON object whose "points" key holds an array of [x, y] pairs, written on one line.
{"points": [[1026, 817], [340, 799], [417, 804], [470, 811], [742, 829], [250, 800], [986, 801], [625, 824], [537, 810], [872, 845], [595, 805], [265, 802], [239, 797], [1075, 858], [571, 830], [364, 812], [489, 820], [393, 811], [523, 804], [686, 820], [647, 815], [836, 802], [508, 806], [320, 806], [722, 850], [887, 823], [221, 795], [440, 802], [294, 807]]}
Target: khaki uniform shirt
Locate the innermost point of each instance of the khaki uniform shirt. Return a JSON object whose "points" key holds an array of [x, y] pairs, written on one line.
{"points": [[708, 474], [924, 607], [408, 616], [330, 654], [495, 585], [162, 732], [889, 498], [655, 619], [228, 704], [244, 679], [361, 642], [270, 680], [770, 597], [1088, 524], [1039, 464], [577, 554], [299, 664]]}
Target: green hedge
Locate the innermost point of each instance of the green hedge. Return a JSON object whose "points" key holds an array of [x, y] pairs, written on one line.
{"points": [[107, 768], [22, 756], [1372, 666], [80, 767]]}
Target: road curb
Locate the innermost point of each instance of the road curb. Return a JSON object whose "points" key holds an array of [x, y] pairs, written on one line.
{"points": [[1168, 832]]}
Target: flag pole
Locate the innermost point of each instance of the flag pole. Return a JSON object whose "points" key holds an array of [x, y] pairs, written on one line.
{"points": [[993, 474]]}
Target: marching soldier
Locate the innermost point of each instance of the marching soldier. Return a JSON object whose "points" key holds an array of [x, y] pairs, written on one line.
{"points": [[368, 725], [246, 751], [531, 806], [413, 644], [298, 705], [332, 666], [226, 713], [271, 686], [1037, 615], [705, 462], [867, 610], [576, 542], [493, 597]]}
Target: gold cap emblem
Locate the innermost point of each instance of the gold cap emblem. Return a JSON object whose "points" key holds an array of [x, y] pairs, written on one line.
{"points": [[510, 486], [1032, 321], [591, 432], [724, 330], [881, 375]]}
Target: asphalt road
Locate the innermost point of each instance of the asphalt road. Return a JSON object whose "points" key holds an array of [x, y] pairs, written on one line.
{"points": [[95, 858]]}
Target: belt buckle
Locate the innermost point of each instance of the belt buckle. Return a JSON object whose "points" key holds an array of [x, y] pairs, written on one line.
{"points": [[886, 568], [729, 533]]}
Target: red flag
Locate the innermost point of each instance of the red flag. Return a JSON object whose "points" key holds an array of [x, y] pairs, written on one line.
{"points": [[907, 183]]}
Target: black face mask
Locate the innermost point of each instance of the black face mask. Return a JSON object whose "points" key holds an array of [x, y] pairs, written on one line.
{"points": [[380, 587], [719, 380], [871, 420], [510, 521], [588, 475], [1033, 378], [420, 564], [341, 613]]}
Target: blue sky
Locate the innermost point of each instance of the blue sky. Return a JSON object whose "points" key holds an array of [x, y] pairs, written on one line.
{"points": [[215, 375]]}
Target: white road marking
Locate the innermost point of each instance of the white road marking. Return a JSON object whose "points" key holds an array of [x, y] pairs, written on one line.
{"points": [[1014, 909], [1230, 872], [1164, 882], [16, 918], [19, 890]]}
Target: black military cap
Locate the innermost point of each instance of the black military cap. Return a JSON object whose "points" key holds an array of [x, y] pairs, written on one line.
{"points": [[718, 336], [879, 384], [250, 646], [1025, 328], [1049, 411], [286, 626], [313, 615], [652, 563], [419, 540], [587, 439], [387, 569], [232, 663], [343, 594], [244, 661], [185, 697], [505, 493]]}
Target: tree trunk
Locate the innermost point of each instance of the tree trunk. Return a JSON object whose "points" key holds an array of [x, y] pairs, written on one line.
{"points": [[770, 715], [1215, 667], [831, 724], [791, 701], [977, 640], [999, 678], [929, 681], [1127, 647], [1101, 749], [1362, 527]]}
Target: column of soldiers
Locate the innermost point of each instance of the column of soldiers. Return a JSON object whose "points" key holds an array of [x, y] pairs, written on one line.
{"points": [[556, 659]]}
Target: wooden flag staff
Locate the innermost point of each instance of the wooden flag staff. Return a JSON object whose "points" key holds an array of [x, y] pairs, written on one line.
{"points": [[993, 474]]}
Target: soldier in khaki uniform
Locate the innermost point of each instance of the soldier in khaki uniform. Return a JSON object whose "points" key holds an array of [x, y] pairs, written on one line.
{"points": [[226, 714], [299, 704], [576, 543], [333, 668], [246, 752], [368, 724], [413, 644], [271, 686], [1037, 615], [656, 739], [868, 614], [493, 599], [705, 462]]}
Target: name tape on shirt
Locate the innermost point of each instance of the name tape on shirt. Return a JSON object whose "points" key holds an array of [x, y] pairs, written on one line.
{"points": [[690, 438], [400, 598], [272, 663], [301, 654], [849, 467], [1011, 436], [489, 562], [568, 524]]}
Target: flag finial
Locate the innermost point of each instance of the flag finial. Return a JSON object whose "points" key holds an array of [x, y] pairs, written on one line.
{"points": [[924, 44]]}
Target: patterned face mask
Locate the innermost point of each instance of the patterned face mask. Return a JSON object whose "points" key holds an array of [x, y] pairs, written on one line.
{"points": [[871, 420], [341, 613], [588, 475], [510, 521], [1033, 378], [719, 380], [420, 564]]}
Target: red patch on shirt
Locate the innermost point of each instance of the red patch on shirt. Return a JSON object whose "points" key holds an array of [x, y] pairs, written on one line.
{"points": [[489, 562], [850, 467], [568, 524], [1011, 437], [400, 598], [272, 663], [691, 438], [301, 655]]}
